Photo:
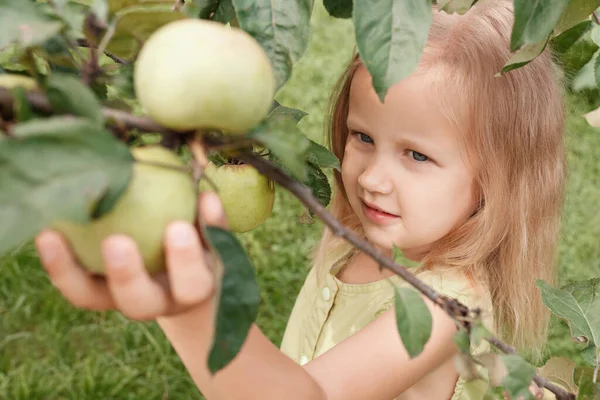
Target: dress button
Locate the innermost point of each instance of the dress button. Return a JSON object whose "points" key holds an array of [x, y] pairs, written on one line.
{"points": [[326, 294], [303, 360]]}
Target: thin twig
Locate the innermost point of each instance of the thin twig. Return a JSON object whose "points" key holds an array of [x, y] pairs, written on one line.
{"points": [[115, 58], [596, 19], [452, 307]]}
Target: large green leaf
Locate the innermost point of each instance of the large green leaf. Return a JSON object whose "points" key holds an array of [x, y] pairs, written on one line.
{"points": [[286, 113], [535, 20], [563, 42], [281, 27], [57, 168], [391, 35], [24, 22], [339, 8], [68, 95], [579, 305], [524, 56], [577, 11], [413, 320], [587, 388], [239, 299]]}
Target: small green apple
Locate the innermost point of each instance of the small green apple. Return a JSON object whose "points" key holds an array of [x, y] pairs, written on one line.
{"points": [[200, 74], [247, 195], [155, 197], [11, 81]]}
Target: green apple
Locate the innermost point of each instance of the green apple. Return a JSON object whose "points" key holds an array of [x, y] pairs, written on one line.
{"points": [[11, 81], [155, 197], [200, 74], [247, 195]]}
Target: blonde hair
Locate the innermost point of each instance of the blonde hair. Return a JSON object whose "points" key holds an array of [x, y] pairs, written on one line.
{"points": [[513, 126]]}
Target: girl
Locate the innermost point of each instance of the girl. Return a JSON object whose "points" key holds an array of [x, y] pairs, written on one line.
{"points": [[461, 170]]}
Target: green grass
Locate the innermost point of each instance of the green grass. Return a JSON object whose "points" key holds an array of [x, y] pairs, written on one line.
{"points": [[50, 350]]}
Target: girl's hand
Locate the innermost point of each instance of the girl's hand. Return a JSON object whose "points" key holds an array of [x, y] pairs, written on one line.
{"points": [[127, 287]]}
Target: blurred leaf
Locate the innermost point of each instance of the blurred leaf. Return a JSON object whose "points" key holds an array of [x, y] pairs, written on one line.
{"points": [[587, 389], [479, 332], [524, 56], [321, 156], [461, 339], [57, 53], [519, 377], [466, 366], [319, 184], [135, 25], [339, 8], [535, 20], [68, 95], [413, 320], [455, 6], [577, 11], [239, 299], [25, 23], [281, 27], [496, 369], [560, 370], [578, 304], [57, 168], [286, 113], [391, 35], [287, 143], [563, 42], [21, 106], [225, 12], [586, 76], [202, 8]]}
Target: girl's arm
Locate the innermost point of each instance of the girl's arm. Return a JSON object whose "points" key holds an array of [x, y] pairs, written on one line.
{"points": [[260, 371]]}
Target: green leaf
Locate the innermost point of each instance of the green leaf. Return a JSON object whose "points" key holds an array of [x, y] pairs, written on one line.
{"points": [[204, 8], [587, 389], [524, 56], [563, 42], [281, 27], [577, 11], [479, 332], [455, 6], [57, 168], [286, 113], [462, 341], [68, 95], [239, 299], [519, 377], [322, 157], [589, 355], [225, 12], [413, 320], [21, 105], [25, 23], [579, 305], [497, 370], [339, 8], [286, 142], [391, 35], [318, 183], [535, 20], [586, 76]]}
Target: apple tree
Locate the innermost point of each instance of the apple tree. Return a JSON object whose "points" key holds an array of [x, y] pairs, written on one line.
{"points": [[111, 110]]}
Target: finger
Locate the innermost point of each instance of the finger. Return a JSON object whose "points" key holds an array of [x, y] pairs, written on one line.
{"points": [[191, 280], [75, 284], [211, 210], [135, 294]]}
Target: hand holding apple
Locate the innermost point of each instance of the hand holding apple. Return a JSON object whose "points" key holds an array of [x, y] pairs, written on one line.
{"points": [[127, 287]]}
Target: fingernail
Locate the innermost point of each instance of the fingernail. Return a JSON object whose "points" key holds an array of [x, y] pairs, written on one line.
{"points": [[180, 234]]}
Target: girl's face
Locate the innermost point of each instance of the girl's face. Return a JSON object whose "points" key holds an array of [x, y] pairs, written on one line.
{"points": [[404, 170]]}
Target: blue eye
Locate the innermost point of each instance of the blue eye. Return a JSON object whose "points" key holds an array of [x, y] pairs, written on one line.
{"points": [[364, 138], [419, 156]]}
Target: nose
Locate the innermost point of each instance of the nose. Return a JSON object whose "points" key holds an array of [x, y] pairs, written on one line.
{"points": [[375, 178]]}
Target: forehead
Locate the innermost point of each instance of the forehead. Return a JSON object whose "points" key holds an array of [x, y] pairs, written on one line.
{"points": [[412, 106]]}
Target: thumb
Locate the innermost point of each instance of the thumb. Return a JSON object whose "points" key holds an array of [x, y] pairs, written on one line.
{"points": [[211, 211]]}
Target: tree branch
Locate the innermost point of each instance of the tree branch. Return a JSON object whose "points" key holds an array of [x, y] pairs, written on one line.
{"points": [[117, 59], [458, 311]]}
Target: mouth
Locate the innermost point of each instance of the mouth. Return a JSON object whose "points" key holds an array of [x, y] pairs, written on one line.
{"points": [[376, 214]]}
